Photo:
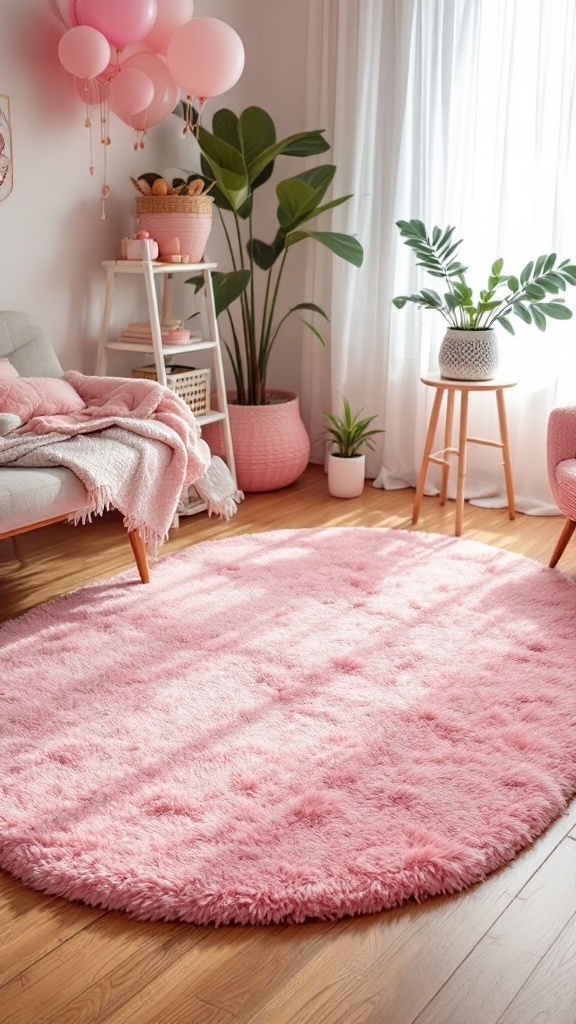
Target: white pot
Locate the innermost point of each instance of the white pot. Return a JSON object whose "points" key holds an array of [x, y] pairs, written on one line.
{"points": [[346, 476], [468, 355]]}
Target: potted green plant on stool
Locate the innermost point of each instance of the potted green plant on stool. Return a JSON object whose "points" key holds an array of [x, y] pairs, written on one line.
{"points": [[238, 156], [347, 465], [469, 349]]}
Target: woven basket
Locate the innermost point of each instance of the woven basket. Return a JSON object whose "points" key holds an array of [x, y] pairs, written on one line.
{"points": [[193, 386], [180, 224], [174, 204], [271, 445]]}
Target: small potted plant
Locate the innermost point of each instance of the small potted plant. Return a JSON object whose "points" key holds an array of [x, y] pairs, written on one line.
{"points": [[469, 349], [346, 465]]}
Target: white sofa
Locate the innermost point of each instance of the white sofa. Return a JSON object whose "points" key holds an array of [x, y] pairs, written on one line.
{"points": [[32, 498]]}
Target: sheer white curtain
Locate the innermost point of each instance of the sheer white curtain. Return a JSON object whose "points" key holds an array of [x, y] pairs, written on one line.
{"points": [[457, 112]]}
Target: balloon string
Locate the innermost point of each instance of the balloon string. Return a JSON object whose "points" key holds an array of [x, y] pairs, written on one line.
{"points": [[201, 105], [88, 123], [188, 117], [140, 132], [105, 139]]}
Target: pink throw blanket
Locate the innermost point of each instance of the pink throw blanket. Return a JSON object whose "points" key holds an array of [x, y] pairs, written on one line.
{"points": [[135, 445]]}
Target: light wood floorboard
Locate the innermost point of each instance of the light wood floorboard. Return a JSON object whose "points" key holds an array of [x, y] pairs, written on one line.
{"points": [[503, 952]]}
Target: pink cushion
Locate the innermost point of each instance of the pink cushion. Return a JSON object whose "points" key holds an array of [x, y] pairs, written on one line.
{"points": [[38, 396], [6, 369]]}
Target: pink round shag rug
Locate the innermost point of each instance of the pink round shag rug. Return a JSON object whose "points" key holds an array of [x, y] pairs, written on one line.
{"points": [[284, 725]]}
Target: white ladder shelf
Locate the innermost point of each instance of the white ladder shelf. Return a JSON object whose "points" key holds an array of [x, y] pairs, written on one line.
{"points": [[151, 272]]}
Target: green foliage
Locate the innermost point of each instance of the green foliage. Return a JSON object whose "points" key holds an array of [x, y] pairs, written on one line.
{"points": [[525, 295], [350, 432], [239, 156]]}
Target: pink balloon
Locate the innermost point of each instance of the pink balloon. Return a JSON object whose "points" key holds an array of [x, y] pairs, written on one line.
{"points": [[171, 14], [121, 21], [84, 51], [61, 9], [166, 92], [131, 90], [91, 91], [205, 57]]}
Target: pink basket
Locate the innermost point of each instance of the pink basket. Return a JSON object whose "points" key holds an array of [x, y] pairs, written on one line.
{"points": [[178, 234], [271, 445]]}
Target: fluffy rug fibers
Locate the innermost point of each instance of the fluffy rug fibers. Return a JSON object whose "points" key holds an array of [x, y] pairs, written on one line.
{"points": [[284, 725]]}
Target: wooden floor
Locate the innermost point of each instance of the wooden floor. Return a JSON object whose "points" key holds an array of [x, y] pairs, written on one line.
{"points": [[503, 951]]}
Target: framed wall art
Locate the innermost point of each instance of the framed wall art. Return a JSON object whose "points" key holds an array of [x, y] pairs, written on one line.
{"points": [[6, 158]]}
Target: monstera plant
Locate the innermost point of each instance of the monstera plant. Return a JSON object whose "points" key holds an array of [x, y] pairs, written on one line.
{"points": [[237, 158]]}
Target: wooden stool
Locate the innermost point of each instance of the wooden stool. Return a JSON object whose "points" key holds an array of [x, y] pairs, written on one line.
{"points": [[445, 386]]}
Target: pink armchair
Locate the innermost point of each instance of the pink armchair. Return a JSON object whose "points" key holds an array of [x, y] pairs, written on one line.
{"points": [[562, 470]]}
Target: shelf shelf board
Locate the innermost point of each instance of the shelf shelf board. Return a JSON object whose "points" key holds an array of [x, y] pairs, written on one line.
{"points": [[214, 416], [137, 266], [167, 350], [193, 510]]}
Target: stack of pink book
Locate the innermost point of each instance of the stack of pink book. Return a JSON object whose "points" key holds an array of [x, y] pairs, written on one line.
{"points": [[139, 333]]}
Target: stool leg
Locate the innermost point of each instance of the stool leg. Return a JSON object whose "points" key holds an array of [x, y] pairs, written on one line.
{"points": [[434, 416], [447, 444], [506, 452], [461, 462]]}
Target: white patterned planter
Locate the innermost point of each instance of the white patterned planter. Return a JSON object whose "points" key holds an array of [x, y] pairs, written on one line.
{"points": [[468, 355]]}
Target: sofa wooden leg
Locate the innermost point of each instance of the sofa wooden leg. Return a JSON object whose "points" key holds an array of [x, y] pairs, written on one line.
{"points": [[569, 527], [140, 555]]}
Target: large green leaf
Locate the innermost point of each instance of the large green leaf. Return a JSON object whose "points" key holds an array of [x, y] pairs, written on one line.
{"points": [[330, 206], [220, 152], [319, 177], [257, 133], [311, 144], [296, 202], [227, 166], [257, 166], [225, 127], [345, 246], [265, 255], [233, 187], [227, 287]]}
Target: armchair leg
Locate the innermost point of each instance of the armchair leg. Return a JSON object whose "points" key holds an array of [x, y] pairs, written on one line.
{"points": [[140, 555], [569, 527]]}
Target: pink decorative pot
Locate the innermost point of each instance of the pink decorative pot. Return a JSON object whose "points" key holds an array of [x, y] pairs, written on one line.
{"points": [[271, 445], [180, 224]]}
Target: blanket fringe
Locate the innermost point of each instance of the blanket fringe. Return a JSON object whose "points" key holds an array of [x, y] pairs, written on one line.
{"points": [[217, 489], [151, 538], [100, 500]]}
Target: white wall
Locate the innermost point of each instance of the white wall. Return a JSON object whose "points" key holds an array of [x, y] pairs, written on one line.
{"points": [[52, 237]]}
